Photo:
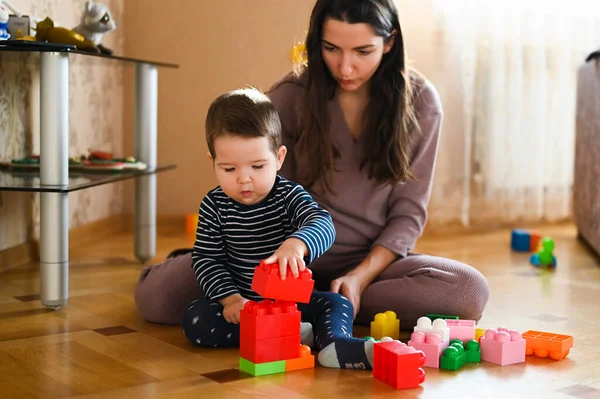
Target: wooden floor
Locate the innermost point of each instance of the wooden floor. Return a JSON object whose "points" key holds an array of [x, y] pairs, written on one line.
{"points": [[98, 347]]}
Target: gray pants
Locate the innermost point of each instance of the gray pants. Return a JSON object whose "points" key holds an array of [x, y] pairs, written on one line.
{"points": [[412, 287]]}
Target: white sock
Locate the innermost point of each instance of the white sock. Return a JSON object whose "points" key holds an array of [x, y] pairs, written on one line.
{"points": [[306, 334]]}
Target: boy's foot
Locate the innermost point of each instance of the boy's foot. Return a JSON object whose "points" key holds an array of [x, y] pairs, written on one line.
{"points": [[306, 334], [348, 353]]}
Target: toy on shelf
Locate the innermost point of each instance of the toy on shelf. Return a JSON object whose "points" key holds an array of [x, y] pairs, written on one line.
{"points": [[96, 161], [502, 347], [457, 354], [96, 20], [544, 257], [524, 241], [398, 364], [47, 32], [544, 344], [4, 35], [385, 325], [270, 330]]}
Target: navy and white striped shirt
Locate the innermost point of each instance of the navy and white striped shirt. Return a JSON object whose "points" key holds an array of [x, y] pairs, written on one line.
{"points": [[232, 238]]}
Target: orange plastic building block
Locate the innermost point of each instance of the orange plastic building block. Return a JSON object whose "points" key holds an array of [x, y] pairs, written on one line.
{"points": [[191, 224], [545, 344], [305, 361], [385, 325], [268, 319], [268, 283], [398, 365]]}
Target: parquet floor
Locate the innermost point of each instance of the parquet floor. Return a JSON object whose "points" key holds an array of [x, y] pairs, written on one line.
{"points": [[98, 347]]}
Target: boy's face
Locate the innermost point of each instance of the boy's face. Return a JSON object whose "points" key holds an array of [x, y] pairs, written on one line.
{"points": [[246, 167]]}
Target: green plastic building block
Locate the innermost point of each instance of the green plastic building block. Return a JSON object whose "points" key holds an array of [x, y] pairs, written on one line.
{"points": [[432, 316], [473, 352], [262, 368], [454, 356]]}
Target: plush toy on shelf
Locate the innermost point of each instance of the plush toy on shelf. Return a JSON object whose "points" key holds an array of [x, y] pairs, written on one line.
{"points": [[47, 32], [96, 20], [4, 35]]}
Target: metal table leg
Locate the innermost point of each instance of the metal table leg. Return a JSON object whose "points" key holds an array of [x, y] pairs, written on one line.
{"points": [[54, 171], [146, 117]]}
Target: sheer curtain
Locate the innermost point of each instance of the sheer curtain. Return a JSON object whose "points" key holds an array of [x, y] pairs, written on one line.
{"points": [[507, 77]]}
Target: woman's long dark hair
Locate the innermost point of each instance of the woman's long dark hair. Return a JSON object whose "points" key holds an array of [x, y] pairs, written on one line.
{"points": [[389, 114]]}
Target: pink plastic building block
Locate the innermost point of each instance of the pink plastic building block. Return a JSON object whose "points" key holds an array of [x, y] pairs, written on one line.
{"points": [[439, 326], [461, 329], [431, 345], [502, 346]]}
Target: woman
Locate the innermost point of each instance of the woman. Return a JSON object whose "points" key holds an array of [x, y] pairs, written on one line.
{"points": [[362, 131]]}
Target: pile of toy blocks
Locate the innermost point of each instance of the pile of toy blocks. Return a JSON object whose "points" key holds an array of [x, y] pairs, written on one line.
{"points": [[447, 342], [542, 249], [270, 329]]}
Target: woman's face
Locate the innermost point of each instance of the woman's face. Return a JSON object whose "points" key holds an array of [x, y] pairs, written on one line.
{"points": [[352, 52]]}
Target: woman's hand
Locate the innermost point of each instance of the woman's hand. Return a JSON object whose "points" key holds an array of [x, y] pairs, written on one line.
{"points": [[291, 253], [350, 287]]}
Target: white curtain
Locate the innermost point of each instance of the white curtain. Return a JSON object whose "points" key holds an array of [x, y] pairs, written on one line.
{"points": [[506, 72]]}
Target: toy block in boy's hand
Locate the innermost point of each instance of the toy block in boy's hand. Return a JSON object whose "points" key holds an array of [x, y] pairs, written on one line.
{"points": [[268, 319], [267, 283]]}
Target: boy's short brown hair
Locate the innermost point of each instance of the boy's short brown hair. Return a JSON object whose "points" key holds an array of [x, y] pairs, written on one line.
{"points": [[244, 112]]}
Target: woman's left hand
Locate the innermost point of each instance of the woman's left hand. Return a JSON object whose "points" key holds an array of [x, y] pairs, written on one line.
{"points": [[350, 287]]}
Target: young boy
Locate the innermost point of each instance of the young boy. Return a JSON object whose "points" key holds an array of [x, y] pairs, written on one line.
{"points": [[255, 214]]}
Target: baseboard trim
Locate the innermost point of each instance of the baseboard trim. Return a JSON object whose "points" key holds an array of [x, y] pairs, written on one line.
{"points": [[18, 255], [29, 252]]}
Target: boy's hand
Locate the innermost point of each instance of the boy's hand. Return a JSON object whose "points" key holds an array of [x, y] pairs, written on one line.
{"points": [[232, 306], [291, 253]]}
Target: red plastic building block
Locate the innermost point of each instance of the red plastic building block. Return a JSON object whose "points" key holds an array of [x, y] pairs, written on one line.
{"points": [[269, 331], [269, 319], [398, 365], [270, 349], [268, 284], [544, 344], [502, 347]]}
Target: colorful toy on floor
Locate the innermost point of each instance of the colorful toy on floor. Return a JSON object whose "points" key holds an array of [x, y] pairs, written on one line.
{"points": [[457, 354], [524, 241], [438, 326], [270, 329], [385, 325], [398, 365], [431, 345], [463, 330], [433, 316], [544, 257], [502, 347], [544, 344]]}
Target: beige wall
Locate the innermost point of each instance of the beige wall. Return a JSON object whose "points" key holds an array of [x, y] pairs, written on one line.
{"points": [[222, 45], [96, 95]]}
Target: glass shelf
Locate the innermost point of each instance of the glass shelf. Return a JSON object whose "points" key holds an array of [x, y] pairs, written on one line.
{"points": [[42, 47], [29, 180]]}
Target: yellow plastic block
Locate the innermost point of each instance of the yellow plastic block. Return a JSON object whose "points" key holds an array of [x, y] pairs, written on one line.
{"points": [[479, 332], [385, 325]]}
